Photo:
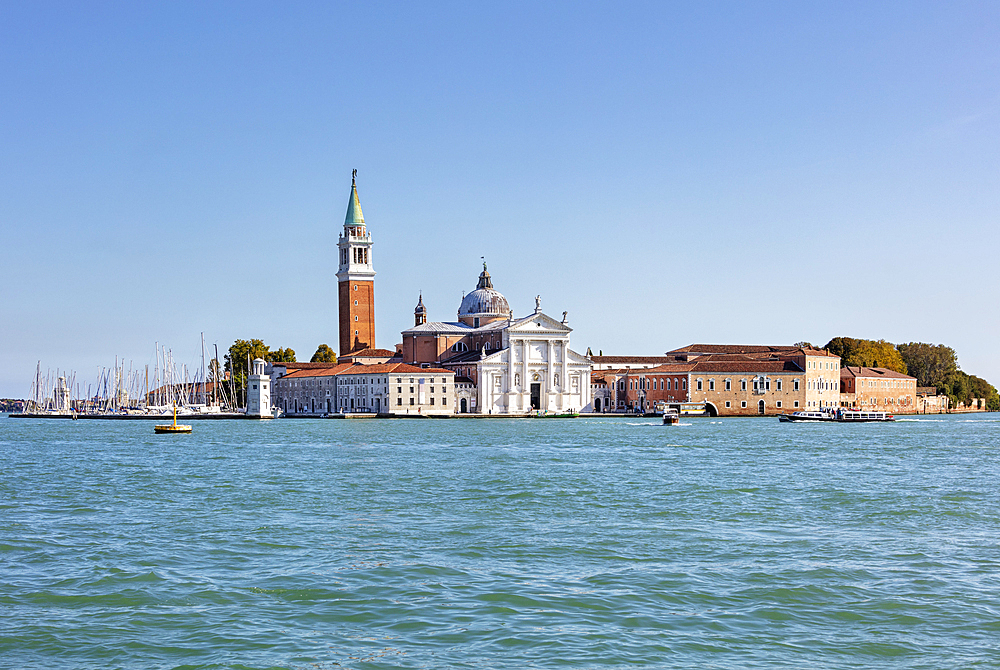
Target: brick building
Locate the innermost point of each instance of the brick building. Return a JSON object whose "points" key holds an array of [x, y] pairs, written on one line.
{"points": [[878, 389], [736, 380]]}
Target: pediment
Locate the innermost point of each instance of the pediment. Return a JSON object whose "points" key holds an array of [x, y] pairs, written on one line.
{"points": [[538, 323]]}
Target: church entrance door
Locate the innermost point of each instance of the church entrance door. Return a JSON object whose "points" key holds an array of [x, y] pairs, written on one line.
{"points": [[465, 406], [536, 396]]}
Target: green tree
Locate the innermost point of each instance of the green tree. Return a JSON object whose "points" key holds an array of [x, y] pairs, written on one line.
{"points": [[240, 353], [324, 354], [867, 353], [931, 364], [983, 389], [281, 356]]}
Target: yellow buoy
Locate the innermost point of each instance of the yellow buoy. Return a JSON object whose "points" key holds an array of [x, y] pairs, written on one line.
{"points": [[172, 428]]}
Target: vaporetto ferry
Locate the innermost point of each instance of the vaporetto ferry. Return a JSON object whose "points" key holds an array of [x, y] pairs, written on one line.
{"points": [[836, 416]]}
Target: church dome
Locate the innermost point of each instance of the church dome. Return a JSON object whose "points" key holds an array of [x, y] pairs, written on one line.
{"points": [[485, 301]]}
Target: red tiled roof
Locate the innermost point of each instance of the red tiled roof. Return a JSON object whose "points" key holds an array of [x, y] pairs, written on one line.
{"points": [[302, 366], [393, 368], [361, 369], [749, 349], [731, 349], [623, 360], [668, 369], [317, 370], [709, 364], [371, 353], [877, 373]]}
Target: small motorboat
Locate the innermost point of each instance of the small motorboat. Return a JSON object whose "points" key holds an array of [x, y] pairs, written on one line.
{"points": [[172, 428], [808, 417], [671, 418]]}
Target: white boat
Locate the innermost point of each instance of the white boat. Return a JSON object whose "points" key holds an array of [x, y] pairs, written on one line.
{"points": [[808, 417], [836, 416], [858, 416]]}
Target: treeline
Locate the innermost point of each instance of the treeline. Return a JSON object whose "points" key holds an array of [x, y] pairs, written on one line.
{"points": [[10, 406], [932, 365], [244, 351]]}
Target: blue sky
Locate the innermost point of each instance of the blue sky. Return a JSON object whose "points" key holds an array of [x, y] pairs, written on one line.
{"points": [[667, 173]]}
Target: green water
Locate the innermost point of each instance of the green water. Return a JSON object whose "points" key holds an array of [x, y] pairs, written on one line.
{"points": [[591, 543]]}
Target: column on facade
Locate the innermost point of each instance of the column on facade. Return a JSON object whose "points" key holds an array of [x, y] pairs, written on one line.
{"points": [[566, 387], [524, 373], [549, 366], [510, 372]]}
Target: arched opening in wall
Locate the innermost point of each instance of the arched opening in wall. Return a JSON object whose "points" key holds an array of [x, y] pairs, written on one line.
{"points": [[760, 407], [464, 406], [597, 404], [711, 409]]}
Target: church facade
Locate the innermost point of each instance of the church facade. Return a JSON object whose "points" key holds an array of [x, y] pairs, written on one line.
{"points": [[515, 365]]}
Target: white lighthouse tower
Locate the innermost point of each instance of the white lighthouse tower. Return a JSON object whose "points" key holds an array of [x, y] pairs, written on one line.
{"points": [[259, 392]]}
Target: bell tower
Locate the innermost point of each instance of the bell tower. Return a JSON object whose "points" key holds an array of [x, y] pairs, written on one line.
{"points": [[356, 279], [420, 313]]}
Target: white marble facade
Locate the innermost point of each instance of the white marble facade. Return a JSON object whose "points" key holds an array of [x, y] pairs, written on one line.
{"points": [[535, 369]]}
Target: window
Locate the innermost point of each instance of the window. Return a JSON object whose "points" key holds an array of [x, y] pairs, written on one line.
{"points": [[668, 384], [795, 385], [728, 404], [411, 401], [778, 404], [699, 385], [685, 383], [743, 404], [411, 388], [743, 384], [432, 400], [796, 404], [711, 384], [778, 382], [729, 387], [355, 287]]}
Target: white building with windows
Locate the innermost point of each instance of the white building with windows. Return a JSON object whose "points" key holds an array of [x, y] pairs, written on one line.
{"points": [[353, 388]]}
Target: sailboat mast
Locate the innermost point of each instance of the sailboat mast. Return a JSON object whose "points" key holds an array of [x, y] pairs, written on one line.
{"points": [[204, 399]]}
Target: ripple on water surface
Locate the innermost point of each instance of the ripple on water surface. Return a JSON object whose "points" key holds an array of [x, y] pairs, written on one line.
{"points": [[503, 543]]}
